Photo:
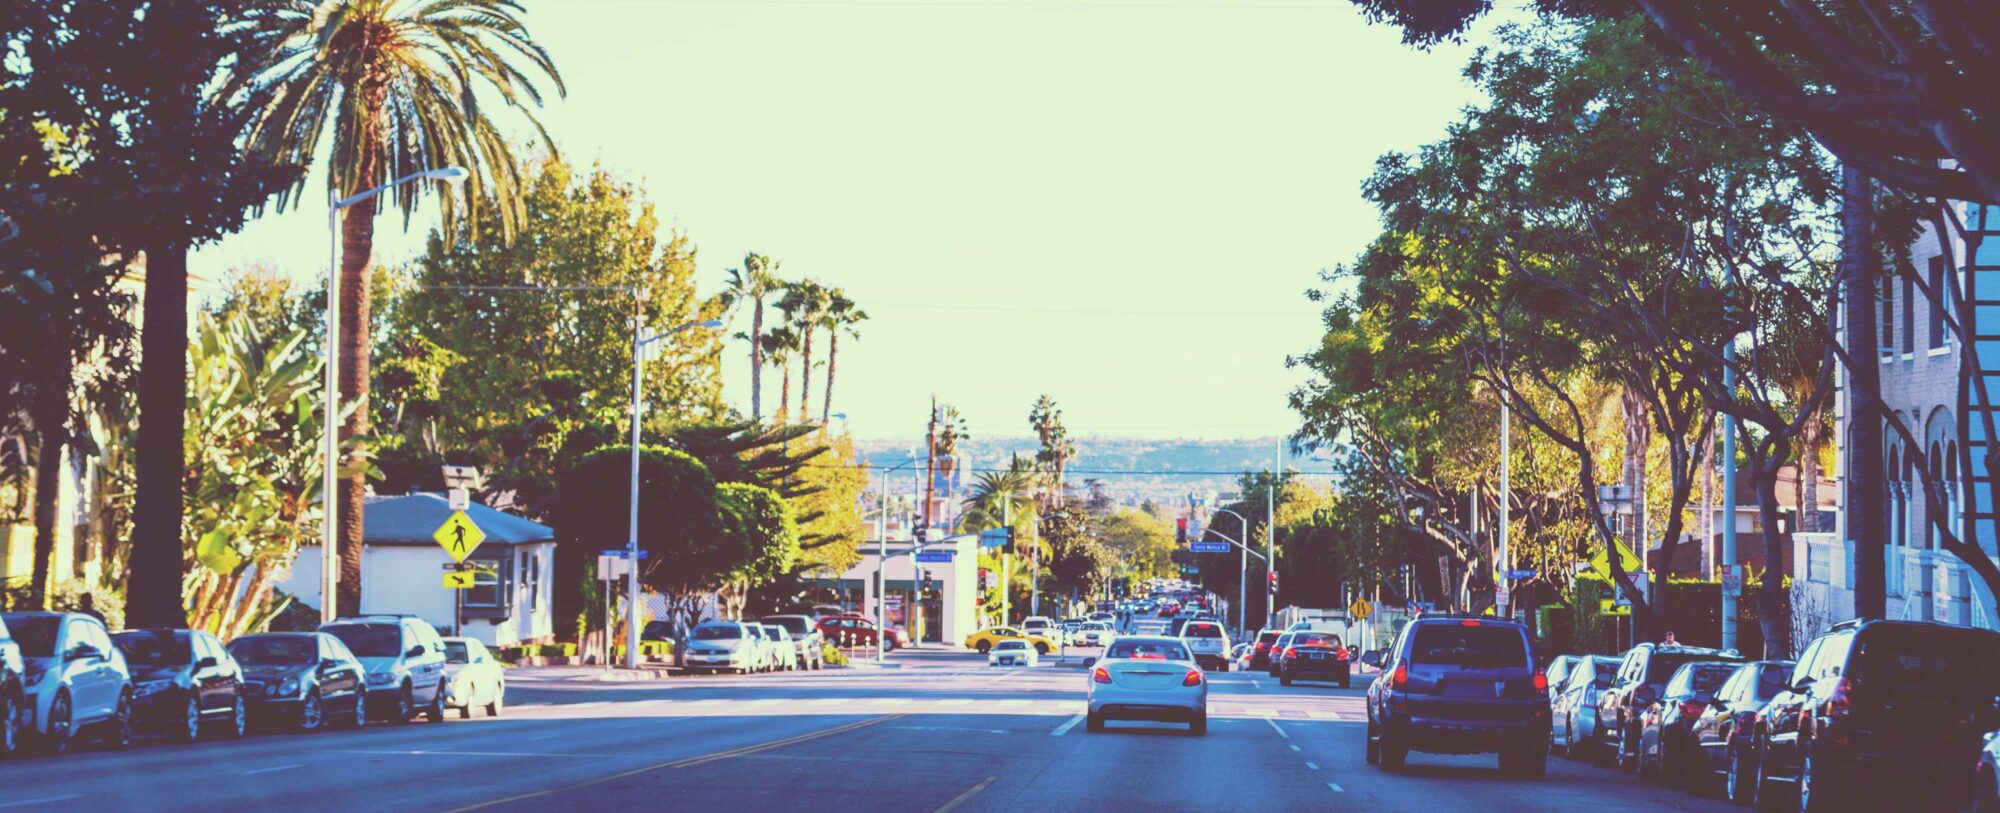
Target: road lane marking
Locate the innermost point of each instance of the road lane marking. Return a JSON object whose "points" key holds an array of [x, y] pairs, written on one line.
{"points": [[274, 769], [1274, 727], [681, 763], [544, 737], [1065, 727], [969, 793], [1014, 702], [368, 752], [956, 701], [1295, 748], [1336, 788], [1312, 766], [1257, 683], [946, 728], [25, 802]]}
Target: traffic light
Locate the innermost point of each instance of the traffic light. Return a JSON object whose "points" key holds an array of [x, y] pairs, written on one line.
{"points": [[1274, 582], [980, 597], [1180, 531]]}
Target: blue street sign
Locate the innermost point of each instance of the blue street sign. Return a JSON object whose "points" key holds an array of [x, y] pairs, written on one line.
{"points": [[933, 556], [621, 553], [1426, 606], [993, 538], [1209, 547], [1524, 573]]}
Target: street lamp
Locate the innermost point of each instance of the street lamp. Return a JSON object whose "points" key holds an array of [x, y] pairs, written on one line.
{"points": [[639, 343], [329, 572], [1242, 575], [882, 554]]}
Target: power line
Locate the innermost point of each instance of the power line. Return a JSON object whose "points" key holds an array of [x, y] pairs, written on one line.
{"points": [[1195, 314]]}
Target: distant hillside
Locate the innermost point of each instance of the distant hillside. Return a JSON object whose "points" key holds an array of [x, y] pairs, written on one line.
{"points": [[1132, 468]]}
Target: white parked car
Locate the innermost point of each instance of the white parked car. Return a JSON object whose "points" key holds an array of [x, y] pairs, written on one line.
{"points": [[784, 651], [720, 645], [1040, 625], [1209, 643], [73, 679], [766, 649], [473, 678], [1095, 633], [1012, 652], [1148, 678], [810, 641]]}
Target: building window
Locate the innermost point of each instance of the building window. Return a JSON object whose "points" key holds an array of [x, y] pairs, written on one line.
{"points": [[1939, 295], [485, 589], [1910, 312], [1888, 316]]}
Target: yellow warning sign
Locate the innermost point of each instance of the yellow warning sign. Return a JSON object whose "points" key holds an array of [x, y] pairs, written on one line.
{"points": [[458, 579], [1360, 610], [459, 536], [1601, 562]]}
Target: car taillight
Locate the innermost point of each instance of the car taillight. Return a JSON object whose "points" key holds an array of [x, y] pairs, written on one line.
{"points": [[1401, 677], [1340, 653], [1841, 702], [1291, 652], [1468, 623], [1101, 675], [1193, 678], [1541, 682]]}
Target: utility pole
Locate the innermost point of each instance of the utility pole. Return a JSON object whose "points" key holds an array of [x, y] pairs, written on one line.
{"points": [[930, 462], [1729, 598], [1006, 561], [1271, 534]]}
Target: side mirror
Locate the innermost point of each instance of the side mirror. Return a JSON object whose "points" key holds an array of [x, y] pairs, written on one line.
{"points": [[415, 651], [84, 653], [1089, 662], [1372, 659], [205, 663]]}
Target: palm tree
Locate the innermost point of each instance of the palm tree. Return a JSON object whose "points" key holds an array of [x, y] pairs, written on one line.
{"points": [[999, 496], [778, 345], [756, 280], [395, 83], [841, 316], [805, 303], [1057, 449]]}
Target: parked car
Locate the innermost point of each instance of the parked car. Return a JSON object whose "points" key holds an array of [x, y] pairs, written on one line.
{"points": [[852, 630], [766, 649], [784, 651], [1724, 734], [302, 679], [720, 645], [1574, 709], [1314, 655], [183, 683], [1013, 652], [1039, 625], [473, 678], [1642, 673], [404, 656], [1208, 642], [1260, 652], [74, 681], [1881, 704], [985, 639], [1986, 796], [11, 702], [1460, 685], [1558, 672], [811, 643], [1278, 652], [1666, 727], [1147, 678]]}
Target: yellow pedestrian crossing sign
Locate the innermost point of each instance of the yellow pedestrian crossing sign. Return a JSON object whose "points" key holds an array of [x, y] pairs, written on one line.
{"points": [[459, 536], [458, 579]]}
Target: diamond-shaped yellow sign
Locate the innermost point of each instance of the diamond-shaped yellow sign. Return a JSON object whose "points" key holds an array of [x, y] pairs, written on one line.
{"points": [[459, 536]]}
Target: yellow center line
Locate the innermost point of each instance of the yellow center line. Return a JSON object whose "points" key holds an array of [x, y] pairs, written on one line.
{"points": [[969, 793], [690, 761]]}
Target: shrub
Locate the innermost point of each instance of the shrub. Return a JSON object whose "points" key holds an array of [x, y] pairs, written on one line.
{"points": [[833, 656]]}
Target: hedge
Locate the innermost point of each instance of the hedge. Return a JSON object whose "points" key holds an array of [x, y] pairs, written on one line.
{"points": [[1694, 609]]}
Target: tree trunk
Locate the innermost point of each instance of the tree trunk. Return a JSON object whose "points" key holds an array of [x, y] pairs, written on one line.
{"points": [[806, 375], [1638, 439], [784, 391], [757, 360], [1772, 616], [832, 354], [254, 600], [154, 588], [357, 244], [1867, 491], [49, 421], [1808, 508]]}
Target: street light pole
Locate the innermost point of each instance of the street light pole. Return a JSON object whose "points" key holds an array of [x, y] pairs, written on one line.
{"points": [[329, 559], [882, 558], [639, 342], [1242, 576]]}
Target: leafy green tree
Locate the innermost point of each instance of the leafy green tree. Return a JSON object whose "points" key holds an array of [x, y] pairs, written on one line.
{"points": [[997, 497], [1077, 565], [680, 526], [397, 84], [1057, 448], [763, 525], [1139, 542]]}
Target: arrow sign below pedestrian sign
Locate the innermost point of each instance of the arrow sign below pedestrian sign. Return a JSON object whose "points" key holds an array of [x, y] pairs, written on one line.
{"points": [[459, 536], [458, 579], [1209, 547], [934, 556]]}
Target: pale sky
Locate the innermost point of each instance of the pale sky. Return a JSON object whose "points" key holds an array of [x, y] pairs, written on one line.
{"points": [[1119, 204]]}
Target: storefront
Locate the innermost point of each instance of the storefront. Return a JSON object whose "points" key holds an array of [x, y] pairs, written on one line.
{"points": [[932, 600]]}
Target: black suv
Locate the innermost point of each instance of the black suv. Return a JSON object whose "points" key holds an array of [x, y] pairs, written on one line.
{"points": [[1636, 686], [1461, 685], [1881, 704]]}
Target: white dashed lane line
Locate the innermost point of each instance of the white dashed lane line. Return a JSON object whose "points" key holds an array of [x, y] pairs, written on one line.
{"points": [[41, 800], [274, 769], [1275, 727], [1335, 788], [1312, 765], [1065, 727]]}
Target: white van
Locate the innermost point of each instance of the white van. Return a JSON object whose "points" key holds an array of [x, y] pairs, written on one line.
{"points": [[1209, 643]]}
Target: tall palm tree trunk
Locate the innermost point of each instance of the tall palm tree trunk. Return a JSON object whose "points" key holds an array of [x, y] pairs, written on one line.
{"points": [[154, 590], [785, 391], [357, 243], [1808, 507], [52, 422], [832, 355], [806, 374], [757, 360]]}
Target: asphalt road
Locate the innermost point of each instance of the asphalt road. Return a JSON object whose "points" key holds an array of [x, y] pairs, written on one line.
{"points": [[943, 732]]}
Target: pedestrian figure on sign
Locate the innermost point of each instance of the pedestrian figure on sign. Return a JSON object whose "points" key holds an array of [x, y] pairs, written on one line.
{"points": [[1669, 640], [458, 546]]}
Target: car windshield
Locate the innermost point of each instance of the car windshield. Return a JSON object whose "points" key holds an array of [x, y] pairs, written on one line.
{"points": [[1771, 680], [455, 652], [275, 650], [717, 632], [1316, 639], [1472, 645], [1267, 637], [1606, 671], [1928, 658], [1011, 645], [775, 632], [154, 647], [369, 640], [35, 633], [1202, 631], [1148, 651], [1663, 664], [793, 624], [1700, 677]]}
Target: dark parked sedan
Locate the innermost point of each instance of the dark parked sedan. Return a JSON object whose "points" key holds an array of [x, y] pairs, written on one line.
{"points": [[183, 682], [301, 679], [1724, 734], [1665, 727], [1314, 656]]}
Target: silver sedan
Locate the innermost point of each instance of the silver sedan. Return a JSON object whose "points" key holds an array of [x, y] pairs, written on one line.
{"points": [[1148, 677]]}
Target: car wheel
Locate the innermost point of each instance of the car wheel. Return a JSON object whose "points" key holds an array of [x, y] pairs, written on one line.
{"points": [[190, 728], [465, 711], [499, 701], [311, 713], [985, 647], [10, 726], [120, 735], [435, 713], [406, 705], [1284, 680], [1395, 752], [1371, 750], [1764, 790], [1199, 725], [359, 719], [61, 726], [1736, 784], [1628, 749], [1817, 794], [1041, 649], [1094, 722], [239, 719]]}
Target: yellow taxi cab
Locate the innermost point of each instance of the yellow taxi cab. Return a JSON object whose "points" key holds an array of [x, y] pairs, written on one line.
{"points": [[984, 640]]}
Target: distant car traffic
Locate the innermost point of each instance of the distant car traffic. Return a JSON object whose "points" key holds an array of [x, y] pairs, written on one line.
{"points": [[473, 678], [1260, 652], [1012, 652], [1147, 678], [1314, 655], [984, 640], [1558, 672], [404, 656], [1094, 633], [183, 683], [854, 630], [74, 681], [1208, 642], [1460, 685], [784, 650], [721, 645], [1278, 651], [301, 679]]}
